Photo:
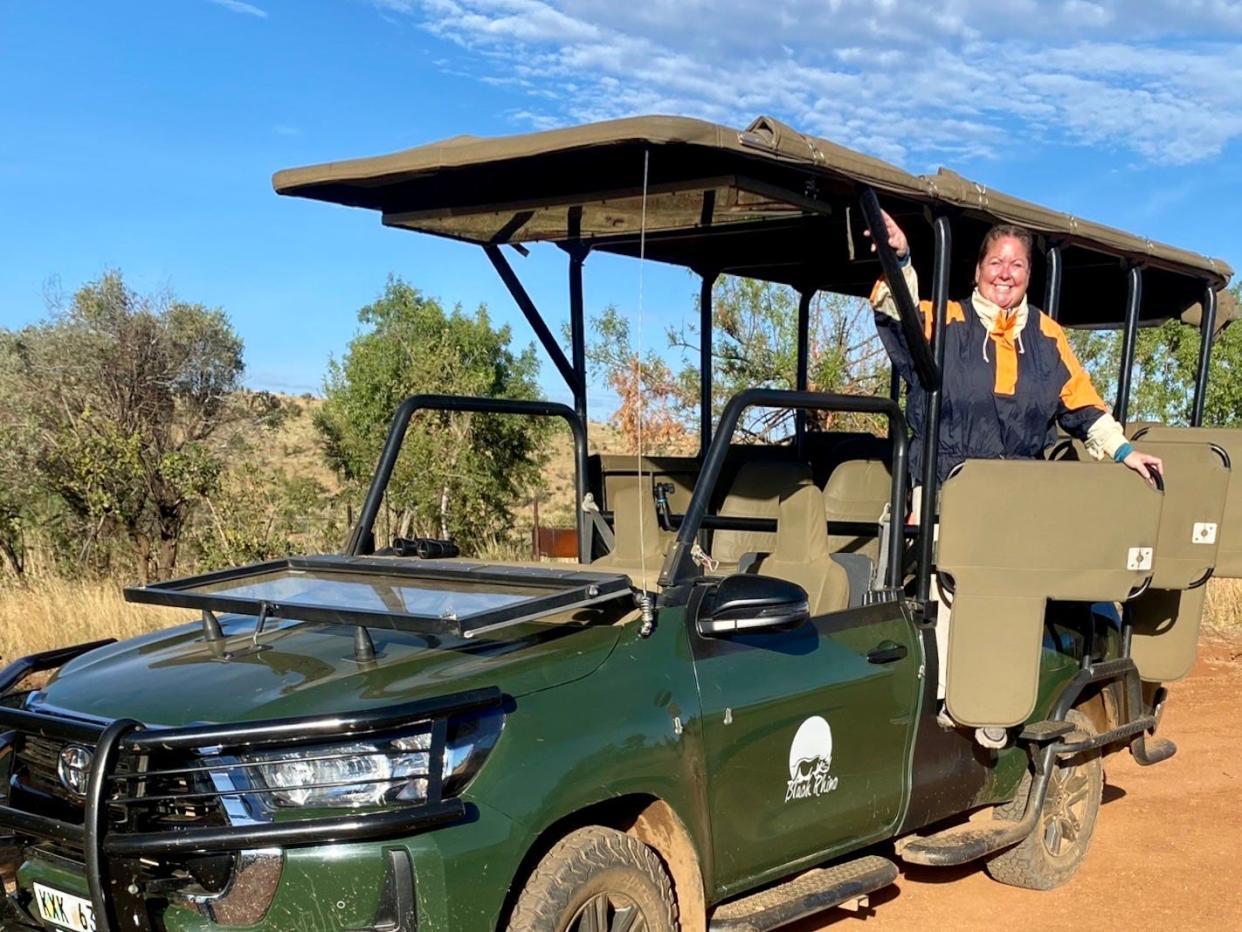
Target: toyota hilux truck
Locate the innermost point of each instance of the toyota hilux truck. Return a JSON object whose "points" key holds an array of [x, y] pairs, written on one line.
{"points": [[723, 713]]}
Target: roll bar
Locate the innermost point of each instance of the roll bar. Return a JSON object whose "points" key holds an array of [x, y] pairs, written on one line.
{"points": [[679, 561], [362, 536]]}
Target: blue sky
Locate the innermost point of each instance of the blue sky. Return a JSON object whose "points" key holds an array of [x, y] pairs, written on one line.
{"points": [[142, 134]]}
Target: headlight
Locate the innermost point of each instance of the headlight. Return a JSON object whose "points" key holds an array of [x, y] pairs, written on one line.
{"points": [[375, 773], [348, 775], [470, 740]]}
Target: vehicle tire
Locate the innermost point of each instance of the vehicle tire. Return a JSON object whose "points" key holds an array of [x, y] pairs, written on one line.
{"points": [[1050, 855], [597, 880]]}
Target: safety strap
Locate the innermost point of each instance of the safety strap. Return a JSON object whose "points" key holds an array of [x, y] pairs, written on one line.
{"points": [[881, 563], [601, 526]]}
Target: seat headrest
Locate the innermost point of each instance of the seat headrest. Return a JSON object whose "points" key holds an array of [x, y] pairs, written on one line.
{"points": [[857, 484], [801, 527], [632, 541], [765, 481]]}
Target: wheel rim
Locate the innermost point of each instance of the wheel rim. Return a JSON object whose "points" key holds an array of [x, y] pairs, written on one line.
{"points": [[1065, 811], [608, 912]]}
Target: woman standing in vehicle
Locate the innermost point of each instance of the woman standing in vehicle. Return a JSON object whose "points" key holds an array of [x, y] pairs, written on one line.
{"points": [[1009, 372]]}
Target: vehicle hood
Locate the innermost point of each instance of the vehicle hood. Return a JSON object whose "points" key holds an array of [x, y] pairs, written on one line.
{"points": [[175, 677]]}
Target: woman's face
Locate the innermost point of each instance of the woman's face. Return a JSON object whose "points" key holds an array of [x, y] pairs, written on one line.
{"points": [[1004, 273]]}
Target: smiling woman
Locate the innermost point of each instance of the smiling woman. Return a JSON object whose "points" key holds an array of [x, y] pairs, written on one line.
{"points": [[1010, 377]]}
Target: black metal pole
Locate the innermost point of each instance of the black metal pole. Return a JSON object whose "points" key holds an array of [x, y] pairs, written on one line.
{"points": [[396, 433], [577, 328], [533, 317], [705, 361], [931, 417], [1129, 339], [894, 384], [804, 361], [1207, 332], [1052, 286]]}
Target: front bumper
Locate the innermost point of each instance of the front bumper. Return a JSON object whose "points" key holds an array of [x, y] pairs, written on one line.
{"points": [[118, 840], [455, 878]]}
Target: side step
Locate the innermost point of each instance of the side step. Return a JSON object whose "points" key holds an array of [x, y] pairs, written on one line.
{"points": [[804, 895], [973, 840], [962, 843]]}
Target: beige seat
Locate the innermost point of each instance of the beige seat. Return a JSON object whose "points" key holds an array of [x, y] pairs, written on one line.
{"points": [[756, 492], [639, 538], [857, 490], [800, 554]]}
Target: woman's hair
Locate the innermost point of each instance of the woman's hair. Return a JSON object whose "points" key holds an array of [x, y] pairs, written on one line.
{"points": [[1002, 230]]}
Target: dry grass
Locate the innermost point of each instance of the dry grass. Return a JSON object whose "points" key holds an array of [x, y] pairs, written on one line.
{"points": [[1224, 604], [56, 613]]}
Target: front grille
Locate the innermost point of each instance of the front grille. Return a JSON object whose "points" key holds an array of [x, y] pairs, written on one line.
{"points": [[176, 799], [34, 784], [36, 769]]}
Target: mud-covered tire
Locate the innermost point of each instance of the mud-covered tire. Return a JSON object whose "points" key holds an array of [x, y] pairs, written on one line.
{"points": [[596, 880], [1050, 855]]}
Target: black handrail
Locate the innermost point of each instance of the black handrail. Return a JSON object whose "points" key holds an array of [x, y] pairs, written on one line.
{"points": [[911, 326], [1052, 282], [678, 562], [931, 415], [1207, 331], [401, 421], [1129, 340]]}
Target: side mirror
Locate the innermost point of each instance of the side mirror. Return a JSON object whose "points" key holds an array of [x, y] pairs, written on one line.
{"points": [[745, 602]]}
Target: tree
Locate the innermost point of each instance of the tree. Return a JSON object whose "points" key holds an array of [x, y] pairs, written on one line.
{"points": [[1166, 359], [458, 474], [108, 410], [754, 344]]}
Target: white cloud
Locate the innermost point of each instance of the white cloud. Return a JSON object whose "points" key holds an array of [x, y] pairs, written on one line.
{"points": [[249, 9], [908, 81]]}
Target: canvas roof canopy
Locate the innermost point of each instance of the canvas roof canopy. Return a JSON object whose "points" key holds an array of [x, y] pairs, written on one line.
{"points": [[766, 202]]}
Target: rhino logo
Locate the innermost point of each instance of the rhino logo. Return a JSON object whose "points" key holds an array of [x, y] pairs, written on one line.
{"points": [[810, 757]]}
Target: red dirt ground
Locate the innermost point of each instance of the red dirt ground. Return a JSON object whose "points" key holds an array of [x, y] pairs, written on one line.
{"points": [[1167, 850]]}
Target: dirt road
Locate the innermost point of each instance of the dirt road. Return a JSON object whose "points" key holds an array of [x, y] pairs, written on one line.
{"points": [[1167, 852]]}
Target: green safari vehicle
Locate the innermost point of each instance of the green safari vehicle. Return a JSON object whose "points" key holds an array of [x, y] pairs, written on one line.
{"points": [[724, 714]]}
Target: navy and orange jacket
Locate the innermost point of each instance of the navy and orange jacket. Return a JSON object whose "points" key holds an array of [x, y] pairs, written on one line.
{"points": [[1008, 381]]}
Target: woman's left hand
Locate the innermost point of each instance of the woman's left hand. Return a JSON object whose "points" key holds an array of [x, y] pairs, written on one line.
{"points": [[1144, 464]]}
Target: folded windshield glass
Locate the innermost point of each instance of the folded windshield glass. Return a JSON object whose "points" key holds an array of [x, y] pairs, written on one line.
{"points": [[400, 593]]}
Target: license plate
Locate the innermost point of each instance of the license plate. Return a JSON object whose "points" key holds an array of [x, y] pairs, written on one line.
{"points": [[64, 909]]}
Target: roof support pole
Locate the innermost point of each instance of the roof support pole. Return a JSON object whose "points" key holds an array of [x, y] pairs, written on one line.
{"points": [[1129, 341], [804, 338], [931, 421], [804, 360], [1207, 333], [1052, 284], [577, 328], [533, 317], [705, 360]]}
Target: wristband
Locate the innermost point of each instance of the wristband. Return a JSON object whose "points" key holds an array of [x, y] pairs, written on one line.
{"points": [[903, 261], [1122, 452]]}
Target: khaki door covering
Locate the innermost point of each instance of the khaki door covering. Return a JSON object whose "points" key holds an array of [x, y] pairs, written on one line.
{"points": [[1198, 533], [1014, 534]]}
